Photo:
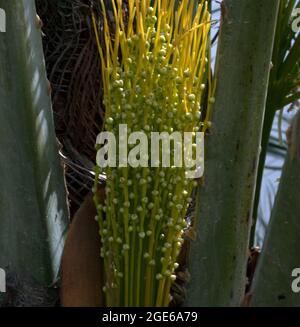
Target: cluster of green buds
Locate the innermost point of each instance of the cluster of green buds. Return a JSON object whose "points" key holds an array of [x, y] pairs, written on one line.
{"points": [[155, 70]]}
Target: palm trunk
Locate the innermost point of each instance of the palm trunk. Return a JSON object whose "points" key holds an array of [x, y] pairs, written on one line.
{"points": [[224, 209]]}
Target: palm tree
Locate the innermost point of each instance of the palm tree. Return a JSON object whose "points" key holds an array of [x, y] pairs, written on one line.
{"points": [[256, 76]]}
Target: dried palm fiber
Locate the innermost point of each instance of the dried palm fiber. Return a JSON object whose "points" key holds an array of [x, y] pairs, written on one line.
{"points": [[74, 72]]}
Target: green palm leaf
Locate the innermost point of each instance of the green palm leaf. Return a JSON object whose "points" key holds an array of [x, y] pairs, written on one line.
{"points": [[33, 209]]}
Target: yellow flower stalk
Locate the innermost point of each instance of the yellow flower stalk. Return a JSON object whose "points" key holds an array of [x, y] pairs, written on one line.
{"points": [[155, 67]]}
